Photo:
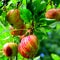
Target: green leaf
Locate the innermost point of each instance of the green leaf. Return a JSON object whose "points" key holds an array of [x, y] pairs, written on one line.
{"points": [[36, 4], [1, 4], [55, 24], [26, 15], [58, 26], [14, 1], [56, 2], [24, 2], [42, 5], [58, 6], [39, 6], [55, 57], [37, 58]]}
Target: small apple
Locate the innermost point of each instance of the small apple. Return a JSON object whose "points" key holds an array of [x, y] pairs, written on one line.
{"points": [[20, 31], [51, 14], [29, 46], [10, 49], [13, 17]]}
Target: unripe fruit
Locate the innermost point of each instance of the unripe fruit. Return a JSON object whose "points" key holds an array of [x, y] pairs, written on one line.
{"points": [[10, 49], [29, 46], [13, 17]]}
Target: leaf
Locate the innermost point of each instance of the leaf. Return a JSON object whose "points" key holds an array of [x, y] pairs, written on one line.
{"points": [[58, 50], [42, 5], [39, 6], [56, 2], [26, 15], [55, 24], [37, 58], [24, 2], [1, 11], [58, 26], [55, 57], [14, 1], [58, 6], [1, 3]]}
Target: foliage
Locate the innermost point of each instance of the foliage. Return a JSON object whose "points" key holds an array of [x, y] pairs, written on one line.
{"points": [[47, 30]]}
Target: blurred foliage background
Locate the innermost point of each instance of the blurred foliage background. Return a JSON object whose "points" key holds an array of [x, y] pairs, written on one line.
{"points": [[47, 30]]}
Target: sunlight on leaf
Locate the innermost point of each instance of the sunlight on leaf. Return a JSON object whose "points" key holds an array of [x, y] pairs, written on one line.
{"points": [[55, 57], [14, 1]]}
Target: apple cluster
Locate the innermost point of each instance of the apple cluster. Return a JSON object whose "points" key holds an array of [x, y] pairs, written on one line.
{"points": [[29, 45], [13, 17]]}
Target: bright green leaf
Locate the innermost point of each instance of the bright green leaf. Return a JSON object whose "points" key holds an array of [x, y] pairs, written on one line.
{"points": [[26, 15], [14, 1], [55, 57]]}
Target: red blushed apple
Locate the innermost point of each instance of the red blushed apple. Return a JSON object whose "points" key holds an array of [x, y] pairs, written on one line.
{"points": [[20, 31], [51, 14], [10, 49], [29, 46], [13, 17]]}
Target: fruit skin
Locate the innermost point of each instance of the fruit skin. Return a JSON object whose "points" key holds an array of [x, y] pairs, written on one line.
{"points": [[53, 14], [16, 32], [20, 31], [10, 49], [13, 17], [22, 36], [58, 16], [29, 46]]}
